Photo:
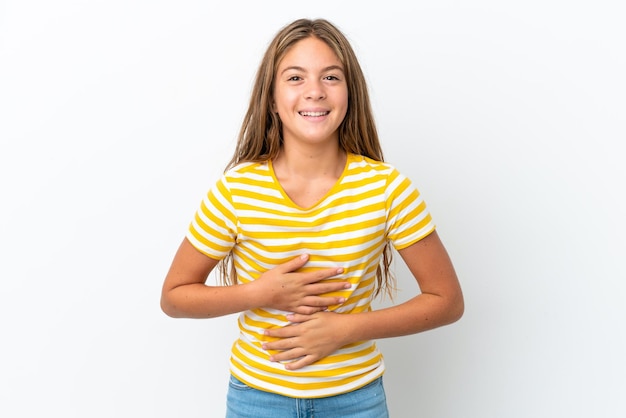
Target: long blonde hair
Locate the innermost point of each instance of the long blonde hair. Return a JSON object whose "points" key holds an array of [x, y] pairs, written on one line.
{"points": [[260, 137]]}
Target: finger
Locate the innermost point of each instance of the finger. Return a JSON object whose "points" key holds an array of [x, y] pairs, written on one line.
{"points": [[327, 287], [284, 332], [301, 362], [314, 305], [316, 276], [309, 310], [281, 345], [322, 302], [295, 318], [287, 356], [293, 264]]}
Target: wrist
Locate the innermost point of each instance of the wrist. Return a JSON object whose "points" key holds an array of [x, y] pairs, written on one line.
{"points": [[360, 327], [352, 328], [252, 295]]}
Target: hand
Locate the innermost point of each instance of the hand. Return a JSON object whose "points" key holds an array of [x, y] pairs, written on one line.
{"points": [[286, 289], [308, 339]]}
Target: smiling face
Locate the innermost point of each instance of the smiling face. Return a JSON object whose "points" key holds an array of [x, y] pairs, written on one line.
{"points": [[310, 94]]}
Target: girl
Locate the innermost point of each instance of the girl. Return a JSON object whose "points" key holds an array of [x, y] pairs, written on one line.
{"points": [[300, 225]]}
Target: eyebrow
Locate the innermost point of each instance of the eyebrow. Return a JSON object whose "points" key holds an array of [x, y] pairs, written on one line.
{"points": [[301, 69]]}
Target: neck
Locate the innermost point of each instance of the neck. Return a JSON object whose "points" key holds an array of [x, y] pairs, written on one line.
{"points": [[310, 162]]}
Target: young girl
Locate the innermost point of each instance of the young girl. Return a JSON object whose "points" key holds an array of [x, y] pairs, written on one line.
{"points": [[301, 225]]}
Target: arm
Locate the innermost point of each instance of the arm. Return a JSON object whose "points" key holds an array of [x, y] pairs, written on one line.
{"points": [[439, 303], [185, 294]]}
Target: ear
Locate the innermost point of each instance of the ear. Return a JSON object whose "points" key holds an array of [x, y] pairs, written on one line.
{"points": [[273, 107]]}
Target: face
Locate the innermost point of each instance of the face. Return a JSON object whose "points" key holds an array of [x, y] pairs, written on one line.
{"points": [[310, 93]]}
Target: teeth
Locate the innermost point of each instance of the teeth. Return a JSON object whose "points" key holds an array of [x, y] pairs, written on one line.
{"points": [[313, 113]]}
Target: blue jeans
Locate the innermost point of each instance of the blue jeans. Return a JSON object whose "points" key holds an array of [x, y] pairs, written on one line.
{"points": [[246, 402]]}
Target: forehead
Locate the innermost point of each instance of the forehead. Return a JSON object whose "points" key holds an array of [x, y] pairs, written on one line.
{"points": [[309, 52]]}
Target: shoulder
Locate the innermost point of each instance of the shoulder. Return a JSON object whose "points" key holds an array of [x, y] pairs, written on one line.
{"points": [[246, 173], [248, 179], [359, 165], [248, 168], [380, 175]]}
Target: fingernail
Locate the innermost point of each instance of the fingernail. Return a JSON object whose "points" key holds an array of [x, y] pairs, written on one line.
{"points": [[304, 256], [342, 300], [340, 270], [347, 286]]}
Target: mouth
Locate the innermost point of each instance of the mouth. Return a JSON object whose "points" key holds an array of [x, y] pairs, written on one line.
{"points": [[315, 114]]}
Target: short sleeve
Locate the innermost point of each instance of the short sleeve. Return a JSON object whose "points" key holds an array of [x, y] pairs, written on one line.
{"points": [[213, 230], [408, 218]]}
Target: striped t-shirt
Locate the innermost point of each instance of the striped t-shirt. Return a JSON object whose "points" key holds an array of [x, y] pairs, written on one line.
{"points": [[248, 213]]}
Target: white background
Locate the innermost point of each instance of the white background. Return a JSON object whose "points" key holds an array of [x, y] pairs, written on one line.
{"points": [[116, 117]]}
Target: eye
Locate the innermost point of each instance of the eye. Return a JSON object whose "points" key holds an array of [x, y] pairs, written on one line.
{"points": [[294, 78], [331, 78]]}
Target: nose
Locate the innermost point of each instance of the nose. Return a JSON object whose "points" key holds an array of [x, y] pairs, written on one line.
{"points": [[315, 90]]}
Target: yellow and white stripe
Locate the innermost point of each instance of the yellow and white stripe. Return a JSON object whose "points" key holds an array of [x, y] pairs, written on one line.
{"points": [[248, 213]]}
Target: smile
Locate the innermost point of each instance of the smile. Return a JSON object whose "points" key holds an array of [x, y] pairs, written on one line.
{"points": [[314, 113]]}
